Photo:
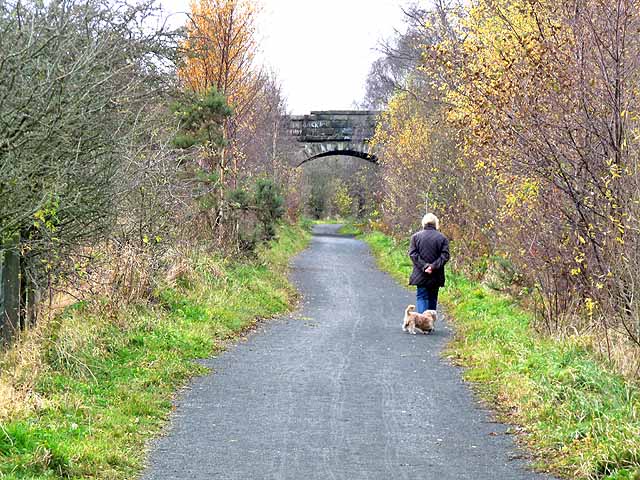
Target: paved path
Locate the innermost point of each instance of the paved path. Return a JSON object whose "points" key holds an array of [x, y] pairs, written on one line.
{"points": [[336, 391]]}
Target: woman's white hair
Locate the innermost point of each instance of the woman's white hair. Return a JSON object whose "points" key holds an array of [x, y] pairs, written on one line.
{"points": [[430, 219]]}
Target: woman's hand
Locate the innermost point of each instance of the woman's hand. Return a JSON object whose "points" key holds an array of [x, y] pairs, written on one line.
{"points": [[429, 269]]}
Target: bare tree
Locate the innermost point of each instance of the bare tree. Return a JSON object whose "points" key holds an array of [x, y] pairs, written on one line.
{"points": [[397, 68], [76, 79]]}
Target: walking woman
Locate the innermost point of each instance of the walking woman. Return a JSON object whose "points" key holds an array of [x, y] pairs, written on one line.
{"points": [[429, 252]]}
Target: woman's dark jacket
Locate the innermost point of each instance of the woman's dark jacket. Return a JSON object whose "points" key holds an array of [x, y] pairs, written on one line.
{"points": [[428, 247]]}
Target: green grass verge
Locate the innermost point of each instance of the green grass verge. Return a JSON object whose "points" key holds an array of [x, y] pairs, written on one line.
{"points": [[106, 384], [349, 229], [331, 221], [579, 419]]}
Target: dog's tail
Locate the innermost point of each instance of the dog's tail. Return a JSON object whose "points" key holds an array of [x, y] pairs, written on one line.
{"points": [[410, 308]]}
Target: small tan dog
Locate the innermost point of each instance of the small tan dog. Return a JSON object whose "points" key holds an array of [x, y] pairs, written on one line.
{"points": [[415, 322]]}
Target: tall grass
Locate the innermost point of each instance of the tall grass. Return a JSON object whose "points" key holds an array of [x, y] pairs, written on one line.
{"points": [[580, 419], [101, 385]]}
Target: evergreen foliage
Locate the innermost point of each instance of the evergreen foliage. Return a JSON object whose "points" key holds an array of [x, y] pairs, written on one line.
{"points": [[269, 206], [201, 120]]}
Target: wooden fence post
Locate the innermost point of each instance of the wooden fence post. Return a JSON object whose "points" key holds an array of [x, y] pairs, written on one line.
{"points": [[9, 294]]}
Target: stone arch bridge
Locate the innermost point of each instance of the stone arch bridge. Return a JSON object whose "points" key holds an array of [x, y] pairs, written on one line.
{"points": [[335, 132]]}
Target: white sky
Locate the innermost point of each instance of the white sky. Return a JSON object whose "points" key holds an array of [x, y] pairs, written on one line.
{"points": [[321, 50]]}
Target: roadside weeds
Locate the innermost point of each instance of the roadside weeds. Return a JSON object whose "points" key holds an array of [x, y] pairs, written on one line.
{"points": [[94, 388]]}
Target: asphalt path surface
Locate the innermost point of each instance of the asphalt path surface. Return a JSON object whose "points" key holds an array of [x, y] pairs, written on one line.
{"points": [[335, 391]]}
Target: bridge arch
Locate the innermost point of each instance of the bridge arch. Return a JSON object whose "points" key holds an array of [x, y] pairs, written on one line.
{"points": [[345, 153]]}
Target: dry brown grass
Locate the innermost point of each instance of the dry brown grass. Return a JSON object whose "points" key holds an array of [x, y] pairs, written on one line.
{"points": [[120, 277], [24, 362], [611, 345], [20, 367], [615, 347]]}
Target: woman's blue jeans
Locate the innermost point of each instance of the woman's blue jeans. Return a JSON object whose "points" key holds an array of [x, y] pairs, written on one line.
{"points": [[426, 298]]}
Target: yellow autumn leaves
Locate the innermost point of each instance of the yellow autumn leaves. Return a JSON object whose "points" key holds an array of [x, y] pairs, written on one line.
{"points": [[220, 49], [522, 125]]}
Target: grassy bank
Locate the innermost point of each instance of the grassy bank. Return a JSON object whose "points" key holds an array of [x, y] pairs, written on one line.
{"points": [[579, 419], [94, 388]]}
